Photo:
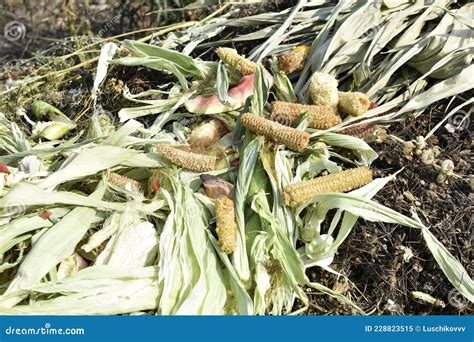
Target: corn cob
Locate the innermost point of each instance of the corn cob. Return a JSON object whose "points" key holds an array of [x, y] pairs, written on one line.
{"points": [[205, 134], [323, 90], [322, 117], [293, 60], [353, 103], [188, 160], [232, 58], [226, 227], [290, 137], [298, 193], [360, 131], [124, 182]]}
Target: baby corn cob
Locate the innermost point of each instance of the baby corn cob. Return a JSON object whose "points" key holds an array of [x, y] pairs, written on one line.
{"points": [[360, 131], [188, 160], [298, 193], [226, 227], [353, 103], [322, 117], [293, 60], [124, 182], [290, 137], [323, 90], [232, 58]]}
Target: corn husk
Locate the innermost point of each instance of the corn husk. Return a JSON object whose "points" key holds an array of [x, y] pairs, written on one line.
{"points": [[55, 129]]}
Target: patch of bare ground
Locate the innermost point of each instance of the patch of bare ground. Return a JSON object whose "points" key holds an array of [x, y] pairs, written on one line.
{"points": [[374, 257]]}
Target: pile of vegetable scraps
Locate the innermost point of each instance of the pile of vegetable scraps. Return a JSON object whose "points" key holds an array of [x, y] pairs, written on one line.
{"points": [[216, 192]]}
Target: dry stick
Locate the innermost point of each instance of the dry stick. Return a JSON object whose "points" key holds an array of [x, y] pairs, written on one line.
{"points": [[169, 28], [165, 29]]}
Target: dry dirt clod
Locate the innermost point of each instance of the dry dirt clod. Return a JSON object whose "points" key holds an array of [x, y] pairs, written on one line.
{"points": [[428, 157], [420, 144], [447, 167], [436, 150], [408, 149], [409, 196], [441, 179]]}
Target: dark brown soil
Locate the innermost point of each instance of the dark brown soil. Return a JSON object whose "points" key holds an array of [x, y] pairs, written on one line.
{"points": [[372, 256]]}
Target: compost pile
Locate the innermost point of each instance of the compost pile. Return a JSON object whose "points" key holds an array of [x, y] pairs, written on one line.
{"points": [[244, 163]]}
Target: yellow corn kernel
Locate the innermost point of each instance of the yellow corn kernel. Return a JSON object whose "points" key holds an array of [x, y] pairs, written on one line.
{"points": [[226, 227], [298, 193], [232, 58], [323, 90], [322, 117], [188, 160], [353, 103], [293, 60], [124, 182], [290, 137]]}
